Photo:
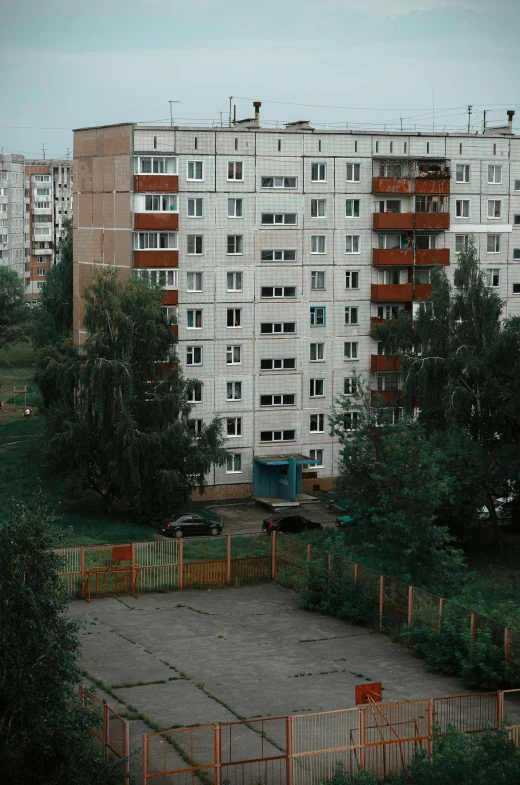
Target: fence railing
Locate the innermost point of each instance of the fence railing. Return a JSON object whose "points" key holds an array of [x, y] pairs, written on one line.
{"points": [[113, 733]]}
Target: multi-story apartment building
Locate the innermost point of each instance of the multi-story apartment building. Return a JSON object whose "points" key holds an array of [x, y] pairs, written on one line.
{"points": [[12, 212], [277, 250], [48, 197]]}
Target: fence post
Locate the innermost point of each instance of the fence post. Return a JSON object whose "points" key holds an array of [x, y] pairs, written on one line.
{"points": [[288, 751], [82, 570], [500, 706], [473, 624], [180, 545], [356, 573], [381, 600], [228, 558], [273, 556], [361, 739], [410, 605], [507, 641], [441, 612], [126, 752], [431, 721], [217, 755], [145, 758], [132, 573]]}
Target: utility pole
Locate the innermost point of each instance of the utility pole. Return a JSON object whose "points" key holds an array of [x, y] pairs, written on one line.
{"points": [[230, 99], [171, 110], [469, 118], [43, 149], [221, 119], [68, 152], [401, 121], [484, 121]]}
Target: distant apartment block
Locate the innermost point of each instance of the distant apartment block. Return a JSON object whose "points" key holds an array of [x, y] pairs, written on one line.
{"points": [[12, 213], [278, 249]]}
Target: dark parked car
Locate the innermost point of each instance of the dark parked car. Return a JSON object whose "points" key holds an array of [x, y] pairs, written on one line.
{"points": [[289, 522], [190, 526]]}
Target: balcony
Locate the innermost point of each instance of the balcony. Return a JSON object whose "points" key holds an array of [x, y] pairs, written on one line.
{"points": [[439, 255], [403, 257], [437, 221], [42, 251], [392, 292], [42, 210], [375, 321], [422, 291], [384, 362], [170, 297], [156, 259], [387, 397], [432, 185], [157, 183], [159, 221], [394, 221], [393, 185]]}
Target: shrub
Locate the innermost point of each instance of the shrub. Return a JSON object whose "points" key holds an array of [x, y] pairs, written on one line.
{"points": [[334, 593], [340, 777]]}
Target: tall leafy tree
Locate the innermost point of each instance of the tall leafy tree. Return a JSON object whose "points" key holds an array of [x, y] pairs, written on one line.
{"points": [[13, 309], [461, 360], [118, 414], [44, 732], [52, 320]]}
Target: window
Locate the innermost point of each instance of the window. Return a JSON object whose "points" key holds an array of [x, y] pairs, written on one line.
{"points": [[494, 208], [277, 436], [317, 352], [352, 279], [233, 426], [171, 312], [195, 170], [41, 284], [387, 241], [234, 244], [349, 385], [352, 243], [317, 279], [287, 399], [148, 241], [233, 355], [233, 463], [493, 277], [196, 426], [42, 178], [278, 182], [516, 254], [318, 316], [493, 243], [278, 256], [195, 208], [194, 244], [235, 171], [194, 320], [194, 355], [353, 172], [43, 192], [165, 279], [316, 388], [350, 350], [318, 243], [462, 208], [424, 242], [517, 185], [352, 208], [317, 423], [234, 317], [516, 220], [461, 242], [516, 288], [278, 291], [389, 311], [351, 315], [160, 203], [350, 421], [41, 272], [156, 166], [278, 364], [234, 282], [234, 391], [422, 276], [462, 173], [316, 455], [279, 218], [194, 282], [319, 173], [270, 328], [388, 206], [495, 175], [235, 208], [318, 208]]}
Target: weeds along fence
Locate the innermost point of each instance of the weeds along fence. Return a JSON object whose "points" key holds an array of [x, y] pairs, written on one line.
{"points": [[165, 565], [112, 733], [395, 604]]}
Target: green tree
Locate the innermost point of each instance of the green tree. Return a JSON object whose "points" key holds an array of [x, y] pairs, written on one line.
{"points": [[118, 409], [461, 360], [44, 733], [52, 320], [13, 309], [392, 476]]}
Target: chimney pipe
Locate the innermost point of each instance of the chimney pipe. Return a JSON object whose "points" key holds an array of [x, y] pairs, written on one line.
{"points": [[257, 105], [510, 115]]}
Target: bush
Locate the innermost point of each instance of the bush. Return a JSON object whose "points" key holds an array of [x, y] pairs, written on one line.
{"points": [[334, 593], [340, 777]]}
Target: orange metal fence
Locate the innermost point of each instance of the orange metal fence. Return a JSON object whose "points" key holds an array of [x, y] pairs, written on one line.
{"points": [[113, 733]]}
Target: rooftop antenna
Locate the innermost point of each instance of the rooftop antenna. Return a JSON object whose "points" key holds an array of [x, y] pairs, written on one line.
{"points": [[43, 150], [230, 99], [171, 110], [484, 121], [433, 107], [469, 117]]}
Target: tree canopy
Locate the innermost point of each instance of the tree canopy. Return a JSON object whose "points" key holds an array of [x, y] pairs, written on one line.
{"points": [[52, 319], [13, 309]]}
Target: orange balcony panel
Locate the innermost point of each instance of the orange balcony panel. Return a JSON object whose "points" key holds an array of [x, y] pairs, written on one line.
{"points": [[393, 185], [376, 320], [388, 397], [439, 255], [390, 256], [156, 259], [160, 221], [156, 183], [170, 297], [422, 291], [384, 362], [392, 292], [432, 220], [432, 185], [392, 221], [175, 331]]}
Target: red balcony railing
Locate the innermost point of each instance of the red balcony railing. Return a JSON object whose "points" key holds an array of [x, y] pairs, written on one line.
{"points": [[393, 185], [422, 291], [160, 221], [159, 183], [391, 292], [392, 221], [155, 259], [391, 256], [439, 255], [432, 220], [432, 185], [384, 362]]}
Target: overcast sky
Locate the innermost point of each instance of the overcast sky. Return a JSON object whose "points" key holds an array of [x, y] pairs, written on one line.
{"points": [[72, 63]]}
